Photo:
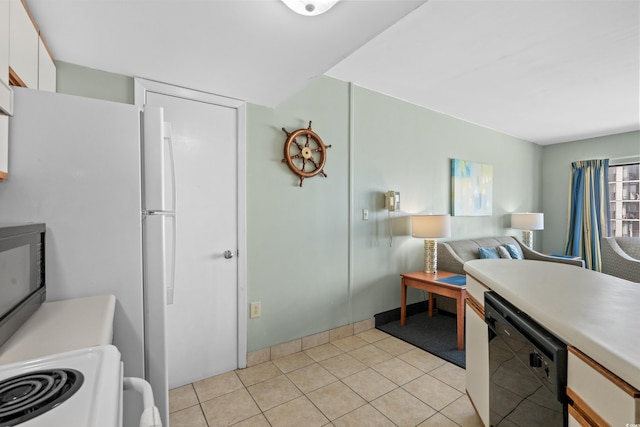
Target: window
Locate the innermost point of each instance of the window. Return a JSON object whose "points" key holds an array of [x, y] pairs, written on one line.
{"points": [[624, 195]]}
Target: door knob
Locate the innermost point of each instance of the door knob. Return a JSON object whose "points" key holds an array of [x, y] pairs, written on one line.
{"points": [[228, 254]]}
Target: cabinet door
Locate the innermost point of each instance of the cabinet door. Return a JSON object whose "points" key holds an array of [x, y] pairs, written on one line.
{"points": [[477, 347], [598, 394], [46, 69], [6, 98], [4, 41], [23, 45], [4, 147]]}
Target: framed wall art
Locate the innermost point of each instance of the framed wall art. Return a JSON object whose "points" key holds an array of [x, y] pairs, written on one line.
{"points": [[471, 188]]}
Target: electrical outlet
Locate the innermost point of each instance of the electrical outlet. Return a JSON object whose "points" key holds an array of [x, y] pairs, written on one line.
{"points": [[256, 310]]}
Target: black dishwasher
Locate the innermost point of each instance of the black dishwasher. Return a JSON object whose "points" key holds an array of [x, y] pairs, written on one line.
{"points": [[527, 368]]}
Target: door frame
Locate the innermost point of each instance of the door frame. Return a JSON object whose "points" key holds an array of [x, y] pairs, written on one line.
{"points": [[141, 87]]}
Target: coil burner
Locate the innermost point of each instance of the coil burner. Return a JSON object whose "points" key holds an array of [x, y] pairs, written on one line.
{"points": [[29, 395]]}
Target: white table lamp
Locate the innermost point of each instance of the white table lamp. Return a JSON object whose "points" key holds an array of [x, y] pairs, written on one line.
{"points": [[430, 227], [527, 222]]}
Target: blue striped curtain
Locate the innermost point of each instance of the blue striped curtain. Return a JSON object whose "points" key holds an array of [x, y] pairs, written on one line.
{"points": [[589, 215]]}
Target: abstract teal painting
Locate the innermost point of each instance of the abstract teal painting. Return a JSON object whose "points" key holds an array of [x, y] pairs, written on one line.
{"points": [[471, 188]]}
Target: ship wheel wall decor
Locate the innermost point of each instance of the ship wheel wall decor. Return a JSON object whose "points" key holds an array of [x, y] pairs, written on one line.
{"points": [[306, 158]]}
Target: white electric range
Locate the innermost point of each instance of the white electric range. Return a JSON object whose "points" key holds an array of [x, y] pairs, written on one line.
{"points": [[76, 388]]}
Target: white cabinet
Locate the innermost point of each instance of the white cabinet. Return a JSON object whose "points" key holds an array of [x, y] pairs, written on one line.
{"points": [[4, 147], [6, 97], [477, 348], [477, 369], [4, 41], [24, 61], [46, 69], [599, 397], [23, 46]]}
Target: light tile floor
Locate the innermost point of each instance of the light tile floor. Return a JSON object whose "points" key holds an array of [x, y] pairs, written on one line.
{"points": [[368, 379]]}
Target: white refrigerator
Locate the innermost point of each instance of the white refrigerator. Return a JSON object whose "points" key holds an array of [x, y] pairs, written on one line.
{"points": [[99, 174]]}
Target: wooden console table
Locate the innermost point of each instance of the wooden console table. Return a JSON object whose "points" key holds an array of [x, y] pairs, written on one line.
{"points": [[429, 282]]}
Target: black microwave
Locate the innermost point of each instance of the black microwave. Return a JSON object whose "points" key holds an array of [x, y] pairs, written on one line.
{"points": [[22, 275]]}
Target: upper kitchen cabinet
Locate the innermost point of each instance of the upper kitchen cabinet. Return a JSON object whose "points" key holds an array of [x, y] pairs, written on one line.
{"points": [[46, 68], [24, 61], [6, 99], [4, 147], [6, 95], [30, 62], [24, 42]]}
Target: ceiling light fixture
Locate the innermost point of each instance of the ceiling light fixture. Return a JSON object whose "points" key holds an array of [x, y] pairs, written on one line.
{"points": [[310, 7]]}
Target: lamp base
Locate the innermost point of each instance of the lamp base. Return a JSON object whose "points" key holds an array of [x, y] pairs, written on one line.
{"points": [[527, 238], [430, 256]]}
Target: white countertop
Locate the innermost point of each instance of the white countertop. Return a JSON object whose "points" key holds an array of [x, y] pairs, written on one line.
{"points": [[594, 312], [61, 326]]}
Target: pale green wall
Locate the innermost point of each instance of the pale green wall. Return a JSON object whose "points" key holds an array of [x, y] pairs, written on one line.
{"points": [[313, 262], [399, 146], [74, 79], [298, 237], [556, 172]]}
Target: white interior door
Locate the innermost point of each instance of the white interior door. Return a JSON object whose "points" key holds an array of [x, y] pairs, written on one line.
{"points": [[202, 326]]}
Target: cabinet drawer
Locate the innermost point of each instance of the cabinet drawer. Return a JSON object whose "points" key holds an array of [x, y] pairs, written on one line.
{"points": [[600, 396], [476, 289]]}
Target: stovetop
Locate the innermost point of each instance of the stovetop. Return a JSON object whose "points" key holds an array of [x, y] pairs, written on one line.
{"points": [[76, 388]]}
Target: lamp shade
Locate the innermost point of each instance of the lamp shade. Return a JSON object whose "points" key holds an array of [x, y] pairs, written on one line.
{"points": [[527, 221], [310, 7], [431, 226]]}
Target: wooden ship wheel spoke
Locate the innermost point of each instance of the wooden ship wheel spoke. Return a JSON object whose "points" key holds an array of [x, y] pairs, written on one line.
{"points": [[305, 160]]}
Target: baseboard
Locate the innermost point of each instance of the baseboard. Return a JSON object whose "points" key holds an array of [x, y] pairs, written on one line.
{"points": [[415, 308], [394, 314], [310, 341]]}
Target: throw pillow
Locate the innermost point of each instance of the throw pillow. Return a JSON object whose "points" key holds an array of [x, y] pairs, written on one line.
{"points": [[513, 251], [503, 252], [487, 253]]}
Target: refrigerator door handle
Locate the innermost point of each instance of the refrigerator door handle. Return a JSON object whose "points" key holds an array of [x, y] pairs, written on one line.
{"points": [[157, 212], [168, 135]]}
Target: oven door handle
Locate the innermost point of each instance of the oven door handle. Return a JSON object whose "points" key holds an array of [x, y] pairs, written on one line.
{"points": [[150, 415]]}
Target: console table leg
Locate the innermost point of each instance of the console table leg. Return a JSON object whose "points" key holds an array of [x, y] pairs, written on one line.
{"points": [[403, 304]]}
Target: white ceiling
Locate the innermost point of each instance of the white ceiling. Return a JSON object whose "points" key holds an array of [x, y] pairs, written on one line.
{"points": [[546, 71]]}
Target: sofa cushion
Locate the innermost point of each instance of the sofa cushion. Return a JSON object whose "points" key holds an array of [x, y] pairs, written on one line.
{"points": [[488, 253], [514, 251], [468, 249], [503, 252]]}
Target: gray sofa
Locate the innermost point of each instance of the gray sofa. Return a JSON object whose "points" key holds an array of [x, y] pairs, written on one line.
{"points": [[453, 254], [621, 257]]}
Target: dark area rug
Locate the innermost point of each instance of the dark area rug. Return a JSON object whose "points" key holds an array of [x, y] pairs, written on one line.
{"points": [[436, 334]]}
